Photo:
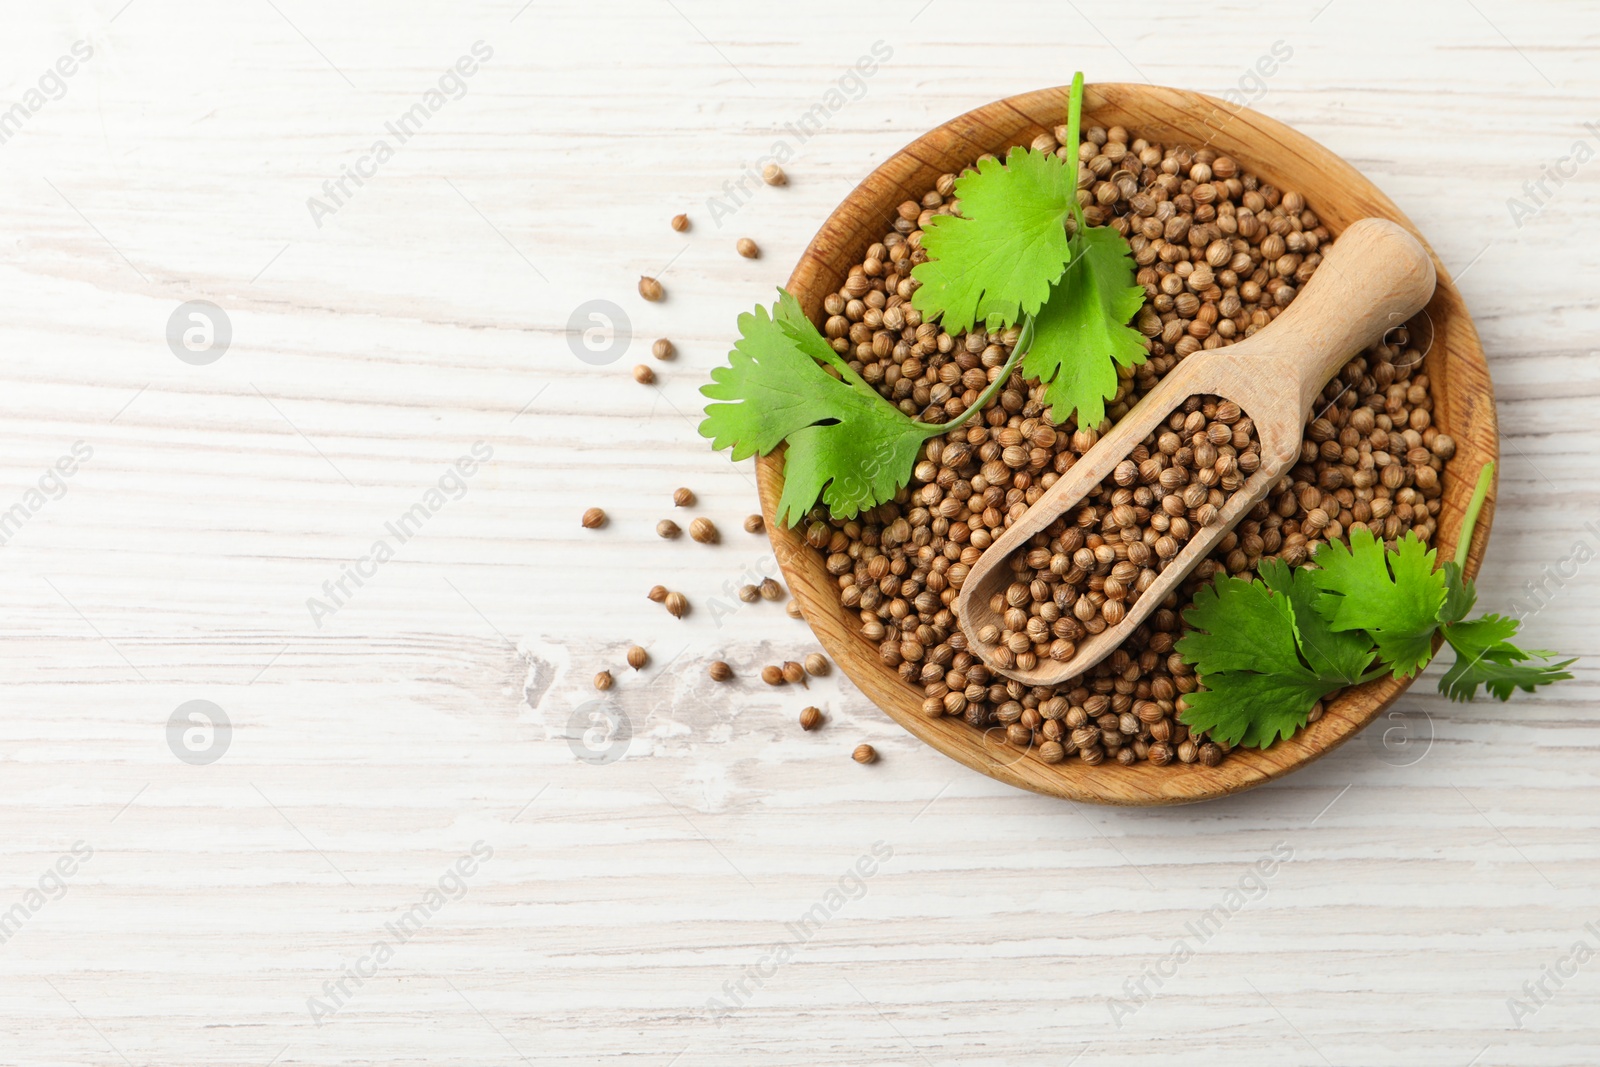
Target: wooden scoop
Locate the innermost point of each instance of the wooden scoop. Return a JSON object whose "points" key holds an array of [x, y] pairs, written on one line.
{"points": [[1372, 279]]}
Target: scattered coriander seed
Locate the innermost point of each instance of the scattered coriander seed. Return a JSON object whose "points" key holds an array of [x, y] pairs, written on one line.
{"points": [[651, 289], [680, 222], [677, 605], [703, 530], [683, 497], [663, 349], [772, 675], [770, 589], [720, 671], [749, 594], [594, 518], [657, 593], [817, 665], [602, 681], [748, 248], [668, 529], [795, 674], [638, 657], [793, 609], [643, 374], [754, 524], [865, 754], [810, 718], [773, 174]]}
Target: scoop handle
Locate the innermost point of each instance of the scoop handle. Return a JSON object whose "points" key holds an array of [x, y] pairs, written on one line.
{"points": [[1374, 278]]}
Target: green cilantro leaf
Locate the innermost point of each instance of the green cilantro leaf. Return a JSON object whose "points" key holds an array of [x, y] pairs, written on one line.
{"points": [[1333, 654], [1486, 657], [776, 388], [853, 464], [1267, 651], [1083, 328], [1238, 626], [848, 446], [1460, 594], [1502, 671], [1482, 634], [791, 319], [1253, 710], [999, 256], [1394, 595], [1245, 640]]}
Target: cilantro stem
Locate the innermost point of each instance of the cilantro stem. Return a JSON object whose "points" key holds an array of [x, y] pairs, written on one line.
{"points": [[1024, 342], [1469, 521], [1074, 117]]}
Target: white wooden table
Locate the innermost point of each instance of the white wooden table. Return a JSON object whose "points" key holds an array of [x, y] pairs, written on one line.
{"points": [[213, 908]]}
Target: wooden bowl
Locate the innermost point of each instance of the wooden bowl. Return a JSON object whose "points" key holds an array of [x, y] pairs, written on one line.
{"points": [[1463, 402]]}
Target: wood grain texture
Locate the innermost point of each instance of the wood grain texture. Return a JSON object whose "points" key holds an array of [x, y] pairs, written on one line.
{"points": [[1441, 859]]}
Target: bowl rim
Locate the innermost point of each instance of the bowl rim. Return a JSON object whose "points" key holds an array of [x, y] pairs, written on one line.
{"points": [[1463, 405]]}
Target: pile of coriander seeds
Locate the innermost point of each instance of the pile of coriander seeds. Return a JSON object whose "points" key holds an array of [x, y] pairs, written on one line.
{"points": [[1084, 571], [1220, 254]]}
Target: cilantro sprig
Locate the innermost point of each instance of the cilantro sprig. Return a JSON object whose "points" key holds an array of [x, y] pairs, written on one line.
{"points": [[1006, 259], [1266, 656], [1267, 651], [1007, 255], [848, 446]]}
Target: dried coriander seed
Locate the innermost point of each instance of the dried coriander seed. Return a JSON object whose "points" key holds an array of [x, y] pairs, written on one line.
{"points": [[720, 671], [638, 657], [680, 222], [594, 518], [754, 524], [795, 674], [1100, 557], [651, 289], [677, 604], [668, 529], [864, 754], [663, 349], [770, 589], [773, 174], [747, 248], [643, 374], [703, 530], [602, 681], [749, 594], [810, 718], [683, 497], [793, 610], [1374, 460], [817, 665], [657, 593], [772, 675]]}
